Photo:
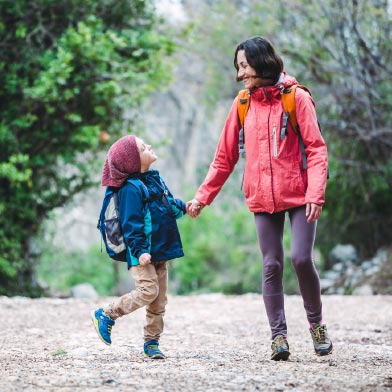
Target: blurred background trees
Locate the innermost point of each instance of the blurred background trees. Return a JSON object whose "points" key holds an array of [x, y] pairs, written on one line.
{"points": [[345, 53], [68, 71], [73, 74]]}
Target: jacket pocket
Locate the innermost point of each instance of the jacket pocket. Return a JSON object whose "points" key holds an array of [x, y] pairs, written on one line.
{"points": [[291, 184]]}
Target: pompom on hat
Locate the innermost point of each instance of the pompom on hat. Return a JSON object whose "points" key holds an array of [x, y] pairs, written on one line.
{"points": [[122, 159]]}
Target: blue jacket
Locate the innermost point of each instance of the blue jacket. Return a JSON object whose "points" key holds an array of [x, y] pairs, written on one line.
{"points": [[149, 226]]}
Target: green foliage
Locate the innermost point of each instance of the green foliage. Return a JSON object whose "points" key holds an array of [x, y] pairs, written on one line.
{"points": [[210, 263], [68, 72], [222, 254], [59, 352], [60, 269]]}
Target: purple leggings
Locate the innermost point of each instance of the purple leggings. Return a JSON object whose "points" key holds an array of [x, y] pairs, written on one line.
{"points": [[270, 233]]}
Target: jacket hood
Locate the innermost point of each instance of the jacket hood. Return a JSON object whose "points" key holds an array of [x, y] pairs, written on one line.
{"points": [[288, 80]]}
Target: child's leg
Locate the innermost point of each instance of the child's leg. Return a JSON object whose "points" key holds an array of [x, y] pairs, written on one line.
{"points": [[146, 291], [156, 309]]}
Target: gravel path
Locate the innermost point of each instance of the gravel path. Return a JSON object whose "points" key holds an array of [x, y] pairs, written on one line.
{"points": [[213, 343]]}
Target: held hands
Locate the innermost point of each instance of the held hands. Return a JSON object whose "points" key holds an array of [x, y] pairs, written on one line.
{"points": [[145, 259], [193, 208], [313, 212]]}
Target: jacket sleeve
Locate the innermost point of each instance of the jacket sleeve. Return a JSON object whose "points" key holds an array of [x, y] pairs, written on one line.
{"points": [[177, 205], [131, 210], [225, 159], [315, 148]]}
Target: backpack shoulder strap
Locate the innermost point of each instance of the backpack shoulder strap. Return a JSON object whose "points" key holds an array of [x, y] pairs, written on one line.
{"points": [[141, 186], [288, 102], [243, 102], [243, 105]]}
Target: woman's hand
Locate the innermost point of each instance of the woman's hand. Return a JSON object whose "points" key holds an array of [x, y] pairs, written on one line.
{"points": [[313, 212], [145, 259], [194, 207]]}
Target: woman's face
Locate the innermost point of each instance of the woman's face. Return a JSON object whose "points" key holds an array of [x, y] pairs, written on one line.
{"points": [[245, 72]]}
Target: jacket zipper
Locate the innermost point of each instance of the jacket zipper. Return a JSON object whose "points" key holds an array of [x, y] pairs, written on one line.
{"points": [[275, 149], [268, 97]]}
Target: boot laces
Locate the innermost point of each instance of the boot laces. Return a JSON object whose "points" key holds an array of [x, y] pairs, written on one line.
{"points": [[279, 341], [320, 333]]}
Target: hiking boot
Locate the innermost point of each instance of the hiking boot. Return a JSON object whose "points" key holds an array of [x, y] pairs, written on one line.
{"points": [[321, 341], [280, 348], [151, 350], [103, 325]]}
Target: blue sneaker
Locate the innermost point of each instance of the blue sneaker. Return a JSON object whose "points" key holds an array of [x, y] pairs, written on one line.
{"points": [[151, 350], [103, 325]]}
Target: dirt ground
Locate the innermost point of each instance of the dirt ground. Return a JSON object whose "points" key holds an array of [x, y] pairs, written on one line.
{"points": [[212, 342]]}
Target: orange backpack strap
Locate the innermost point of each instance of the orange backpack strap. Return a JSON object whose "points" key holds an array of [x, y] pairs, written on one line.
{"points": [[242, 109], [288, 102], [243, 105]]}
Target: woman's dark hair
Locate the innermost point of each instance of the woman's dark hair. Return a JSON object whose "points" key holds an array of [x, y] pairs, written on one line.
{"points": [[262, 57]]}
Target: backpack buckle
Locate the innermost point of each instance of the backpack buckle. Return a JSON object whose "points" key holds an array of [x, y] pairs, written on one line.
{"points": [[284, 90]]}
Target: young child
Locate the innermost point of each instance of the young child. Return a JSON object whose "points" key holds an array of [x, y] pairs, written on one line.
{"points": [[151, 235]]}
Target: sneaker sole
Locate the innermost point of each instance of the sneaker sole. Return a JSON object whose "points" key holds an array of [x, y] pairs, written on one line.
{"points": [[95, 322], [282, 356], [156, 356]]}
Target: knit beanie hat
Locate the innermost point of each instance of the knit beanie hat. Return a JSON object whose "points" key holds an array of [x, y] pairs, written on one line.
{"points": [[122, 160]]}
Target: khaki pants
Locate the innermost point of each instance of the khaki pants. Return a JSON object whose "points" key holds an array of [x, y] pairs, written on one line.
{"points": [[151, 292]]}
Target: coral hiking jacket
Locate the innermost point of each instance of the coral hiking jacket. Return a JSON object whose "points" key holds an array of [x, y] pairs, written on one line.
{"points": [[274, 179]]}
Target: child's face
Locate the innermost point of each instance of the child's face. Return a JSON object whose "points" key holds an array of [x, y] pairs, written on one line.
{"points": [[147, 155]]}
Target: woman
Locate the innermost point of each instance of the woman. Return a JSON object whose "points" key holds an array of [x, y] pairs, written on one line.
{"points": [[275, 183]]}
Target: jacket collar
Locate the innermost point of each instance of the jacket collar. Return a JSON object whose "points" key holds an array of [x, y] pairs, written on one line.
{"points": [[271, 93]]}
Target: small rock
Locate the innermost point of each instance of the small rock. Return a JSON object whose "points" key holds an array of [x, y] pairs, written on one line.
{"points": [[363, 290], [84, 290]]}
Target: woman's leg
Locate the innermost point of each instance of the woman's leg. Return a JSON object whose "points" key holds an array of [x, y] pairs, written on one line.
{"points": [[270, 234], [156, 309], [303, 235], [146, 291]]}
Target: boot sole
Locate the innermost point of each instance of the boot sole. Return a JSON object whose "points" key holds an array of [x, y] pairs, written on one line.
{"points": [[281, 356], [323, 353]]}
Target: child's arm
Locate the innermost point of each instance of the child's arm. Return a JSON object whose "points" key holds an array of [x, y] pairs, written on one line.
{"points": [[177, 205]]}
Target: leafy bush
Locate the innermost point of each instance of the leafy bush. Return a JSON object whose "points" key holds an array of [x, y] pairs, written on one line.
{"points": [[69, 69], [222, 254]]}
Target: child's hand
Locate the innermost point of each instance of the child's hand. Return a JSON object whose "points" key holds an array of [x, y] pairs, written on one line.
{"points": [[193, 208], [145, 259]]}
